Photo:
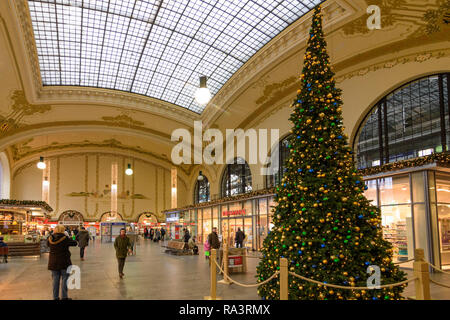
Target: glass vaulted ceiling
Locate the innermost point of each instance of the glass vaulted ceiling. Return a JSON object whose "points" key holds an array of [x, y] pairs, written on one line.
{"points": [[154, 48]]}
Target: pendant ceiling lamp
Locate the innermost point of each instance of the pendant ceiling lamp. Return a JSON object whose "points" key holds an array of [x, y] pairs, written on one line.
{"points": [[203, 95]]}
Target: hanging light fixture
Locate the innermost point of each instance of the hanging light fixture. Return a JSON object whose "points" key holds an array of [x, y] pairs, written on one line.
{"points": [[202, 95], [200, 176], [129, 171], [41, 164]]}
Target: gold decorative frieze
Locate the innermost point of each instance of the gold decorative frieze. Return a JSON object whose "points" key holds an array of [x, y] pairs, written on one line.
{"points": [[20, 108], [277, 89], [388, 64], [123, 120]]}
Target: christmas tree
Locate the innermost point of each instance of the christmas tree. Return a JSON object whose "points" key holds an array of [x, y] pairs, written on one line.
{"points": [[323, 224]]}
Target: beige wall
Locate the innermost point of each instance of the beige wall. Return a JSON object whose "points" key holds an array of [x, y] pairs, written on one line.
{"points": [[91, 172]]}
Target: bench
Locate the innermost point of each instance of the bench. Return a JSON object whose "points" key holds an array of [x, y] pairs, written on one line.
{"points": [[176, 247], [3, 251]]}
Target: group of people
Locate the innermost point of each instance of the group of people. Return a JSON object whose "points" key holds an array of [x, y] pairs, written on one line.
{"points": [[154, 234], [59, 260], [189, 242], [60, 239]]}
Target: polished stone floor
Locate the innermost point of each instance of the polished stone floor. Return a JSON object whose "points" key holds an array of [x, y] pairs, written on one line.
{"points": [[151, 274]]}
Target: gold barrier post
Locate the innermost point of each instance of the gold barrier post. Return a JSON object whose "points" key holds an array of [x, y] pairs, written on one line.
{"points": [[284, 279], [225, 263], [422, 283], [244, 260], [213, 258]]}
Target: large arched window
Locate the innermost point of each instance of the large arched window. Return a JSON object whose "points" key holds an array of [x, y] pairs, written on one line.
{"points": [[410, 122], [236, 178], [201, 190], [283, 154]]}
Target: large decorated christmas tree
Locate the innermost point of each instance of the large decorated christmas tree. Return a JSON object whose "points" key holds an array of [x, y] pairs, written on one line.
{"points": [[323, 224]]}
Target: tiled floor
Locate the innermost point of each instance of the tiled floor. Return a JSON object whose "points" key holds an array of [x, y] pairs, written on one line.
{"points": [[151, 274]]}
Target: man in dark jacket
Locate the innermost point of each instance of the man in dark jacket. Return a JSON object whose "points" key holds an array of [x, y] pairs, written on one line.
{"points": [[186, 238], [83, 238], [122, 244], [213, 239], [59, 260], [239, 238]]}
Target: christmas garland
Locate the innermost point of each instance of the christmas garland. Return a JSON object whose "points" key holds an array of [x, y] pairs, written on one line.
{"points": [[26, 203], [442, 159], [238, 197]]}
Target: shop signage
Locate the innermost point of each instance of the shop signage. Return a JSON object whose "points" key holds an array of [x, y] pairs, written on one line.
{"points": [[240, 212], [171, 219], [235, 261]]}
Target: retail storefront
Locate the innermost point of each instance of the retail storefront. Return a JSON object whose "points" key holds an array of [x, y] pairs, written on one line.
{"points": [[415, 208], [23, 220], [251, 215]]}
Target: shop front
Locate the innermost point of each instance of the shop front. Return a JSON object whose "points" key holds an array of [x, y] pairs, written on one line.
{"points": [[23, 220], [174, 228], [415, 210], [251, 214]]}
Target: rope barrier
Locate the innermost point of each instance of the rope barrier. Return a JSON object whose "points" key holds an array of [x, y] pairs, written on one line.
{"points": [[439, 284], [248, 285], [405, 261], [351, 288], [437, 269], [421, 273]]}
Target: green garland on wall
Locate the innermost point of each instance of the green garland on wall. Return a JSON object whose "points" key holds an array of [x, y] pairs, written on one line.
{"points": [[238, 197], [441, 159], [26, 203]]}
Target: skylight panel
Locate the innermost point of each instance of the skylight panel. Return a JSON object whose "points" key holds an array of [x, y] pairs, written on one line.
{"points": [[157, 48]]}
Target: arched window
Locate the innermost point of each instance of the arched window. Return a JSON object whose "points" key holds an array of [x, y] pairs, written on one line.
{"points": [[283, 153], [412, 121], [201, 191], [236, 178]]}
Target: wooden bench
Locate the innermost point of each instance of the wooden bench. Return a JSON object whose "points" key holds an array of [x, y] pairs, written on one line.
{"points": [[176, 247]]}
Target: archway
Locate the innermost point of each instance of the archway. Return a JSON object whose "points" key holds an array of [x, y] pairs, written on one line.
{"points": [[147, 218], [109, 216], [71, 218]]}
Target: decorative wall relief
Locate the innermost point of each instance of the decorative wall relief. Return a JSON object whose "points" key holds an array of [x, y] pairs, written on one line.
{"points": [[105, 194], [276, 89], [123, 120], [20, 108], [388, 17], [439, 19]]}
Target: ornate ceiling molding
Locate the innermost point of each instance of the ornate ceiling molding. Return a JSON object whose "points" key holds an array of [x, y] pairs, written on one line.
{"points": [[390, 63], [20, 108]]}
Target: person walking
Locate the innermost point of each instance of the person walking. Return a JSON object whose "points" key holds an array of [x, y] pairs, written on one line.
{"points": [[186, 238], [122, 244], [59, 260], [4, 245], [213, 240], [239, 238], [163, 233], [152, 233], [145, 233], [157, 235], [83, 238]]}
